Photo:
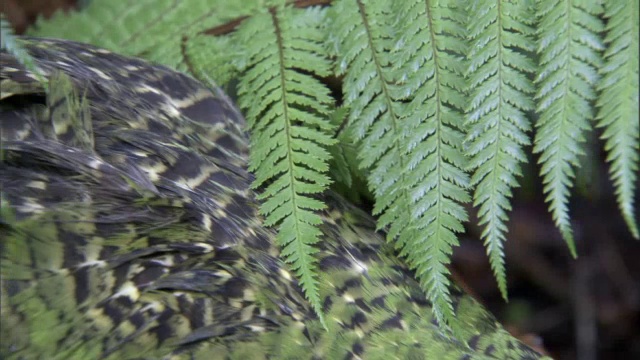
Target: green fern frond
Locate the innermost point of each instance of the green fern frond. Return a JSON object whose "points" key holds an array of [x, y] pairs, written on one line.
{"points": [[618, 103], [374, 119], [432, 64], [153, 29], [501, 36], [213, 58], [362, 38], [569, 46], [288, 115], [409, 131], [349, 180], [342, 155]]}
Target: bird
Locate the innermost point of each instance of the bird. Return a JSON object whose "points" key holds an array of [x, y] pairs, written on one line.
{"points": [[129, 230]]}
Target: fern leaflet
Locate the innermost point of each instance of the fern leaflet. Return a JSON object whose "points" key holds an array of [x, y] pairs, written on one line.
{"points": [[153, 29]]}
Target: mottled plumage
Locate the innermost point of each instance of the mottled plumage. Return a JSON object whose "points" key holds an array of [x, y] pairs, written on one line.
{"points": [[129, 231]]}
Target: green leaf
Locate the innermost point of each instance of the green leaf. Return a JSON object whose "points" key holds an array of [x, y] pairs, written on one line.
{"points": [[499, 68], [154, 29], [288, 115], [569, 45], [618, 104], [406, 103], [432, 48]]}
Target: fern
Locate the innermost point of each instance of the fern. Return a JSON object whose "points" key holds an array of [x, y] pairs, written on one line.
{"points": [[569, 46], [409, 129], [499, 71], [361, 56], [153, 29], [432, 44], [405, 66], [618, 104], [213, 59], [287, 111], [344, 156]]}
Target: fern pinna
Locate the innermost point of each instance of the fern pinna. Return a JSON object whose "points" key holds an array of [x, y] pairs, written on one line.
{"points": [[287, 111], [569, 46], [618, 103], [409, 130], [499, 68], [439, 96]]}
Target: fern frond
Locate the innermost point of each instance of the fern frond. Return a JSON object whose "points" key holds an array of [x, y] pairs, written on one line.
{"points": [[569, 46], [501, 36], [432, 63], [362, 38], [409, 133], [288, 115], [618, 103], [153, 29], [8, 42], [343, 156], [362, 41]]}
